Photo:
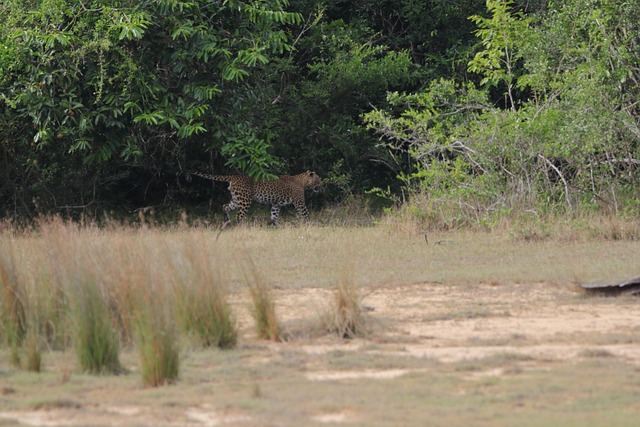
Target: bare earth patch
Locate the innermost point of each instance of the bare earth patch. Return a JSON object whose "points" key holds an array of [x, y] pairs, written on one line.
{"points": [[454, 323], [489, 345]]}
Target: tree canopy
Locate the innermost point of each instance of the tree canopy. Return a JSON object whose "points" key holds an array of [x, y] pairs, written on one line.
{"points": [[494, 107]]}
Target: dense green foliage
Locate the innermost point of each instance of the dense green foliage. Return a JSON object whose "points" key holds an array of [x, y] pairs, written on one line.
{"points": [[565, 133], [95, 93], [489, 107]]}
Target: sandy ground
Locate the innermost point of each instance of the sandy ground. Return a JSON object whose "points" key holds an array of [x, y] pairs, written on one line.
{"points": [[465, 322], [542, 323]]}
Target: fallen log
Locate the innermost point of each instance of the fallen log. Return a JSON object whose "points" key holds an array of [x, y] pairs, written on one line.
{"points": [[626, 287]]}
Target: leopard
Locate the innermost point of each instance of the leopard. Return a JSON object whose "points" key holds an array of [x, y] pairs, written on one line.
{"points": [[278, 192]]}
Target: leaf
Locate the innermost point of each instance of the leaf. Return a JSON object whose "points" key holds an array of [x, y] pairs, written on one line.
{"points": [[154, 118]]}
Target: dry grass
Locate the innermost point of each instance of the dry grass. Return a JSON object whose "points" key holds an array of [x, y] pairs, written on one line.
{"points": [[462, 311], [521, 221], [263, 308], [155, 289], [200, 294], [33, 350], [12, 311], [96, 288], [157, 343], [390, 254], [346, 316]]}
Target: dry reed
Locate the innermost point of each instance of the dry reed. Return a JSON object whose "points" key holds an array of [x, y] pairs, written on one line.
{"points": [[346, 316], [263, 309], [200, 296]]}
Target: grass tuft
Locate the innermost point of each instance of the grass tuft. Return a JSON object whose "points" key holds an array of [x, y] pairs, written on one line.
{"points": [[33, 360], [201, 297], [158, 347], [263, 310], [154, 324], [346, 316], [96, 339], [206, 315], [12, 306]]}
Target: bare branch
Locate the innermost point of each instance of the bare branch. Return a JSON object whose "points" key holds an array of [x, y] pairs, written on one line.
{"points": [[566, 187]]}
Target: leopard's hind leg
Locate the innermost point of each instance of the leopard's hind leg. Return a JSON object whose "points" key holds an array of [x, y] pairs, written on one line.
{"points": [[275, 213]]}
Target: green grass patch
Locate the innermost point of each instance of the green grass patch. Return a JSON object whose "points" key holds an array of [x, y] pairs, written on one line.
{"points": [[96, 339], [156, 340]]}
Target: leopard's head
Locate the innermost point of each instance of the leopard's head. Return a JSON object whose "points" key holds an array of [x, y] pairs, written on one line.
{"points": [[313, 181]]}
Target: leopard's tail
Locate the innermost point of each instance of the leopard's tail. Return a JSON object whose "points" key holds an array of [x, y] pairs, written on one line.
{"points": [[207, 176]]}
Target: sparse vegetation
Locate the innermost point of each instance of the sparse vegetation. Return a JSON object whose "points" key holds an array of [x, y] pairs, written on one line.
{"points": [[596, 353], [201, 298], [346, 316], [155, 291], [96, 340], [13, 317], [263, 308], [157, 343]]}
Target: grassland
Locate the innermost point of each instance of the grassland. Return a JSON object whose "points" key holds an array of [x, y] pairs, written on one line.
{"points": [[460, 327]]}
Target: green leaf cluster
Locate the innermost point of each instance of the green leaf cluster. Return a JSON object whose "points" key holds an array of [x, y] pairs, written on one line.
{"points": [[90, 89], [493, 106], [568, 136]]}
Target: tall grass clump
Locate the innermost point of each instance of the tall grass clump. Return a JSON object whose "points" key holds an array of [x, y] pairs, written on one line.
{"points": [[207, 315], [135, 274], [25, 316], [95, 337], [12, 308], [201, 296], [263, 308], [156, 339], [32, 309], [71, 280], [346, 317], [33, 350], [158, 348]]}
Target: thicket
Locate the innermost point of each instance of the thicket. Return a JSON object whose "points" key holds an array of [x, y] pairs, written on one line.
{"points": [[564, 135], [481, 109]]}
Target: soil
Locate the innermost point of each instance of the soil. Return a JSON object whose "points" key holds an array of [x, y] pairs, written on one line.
{"points": [[531, 325], [465, 322]]}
